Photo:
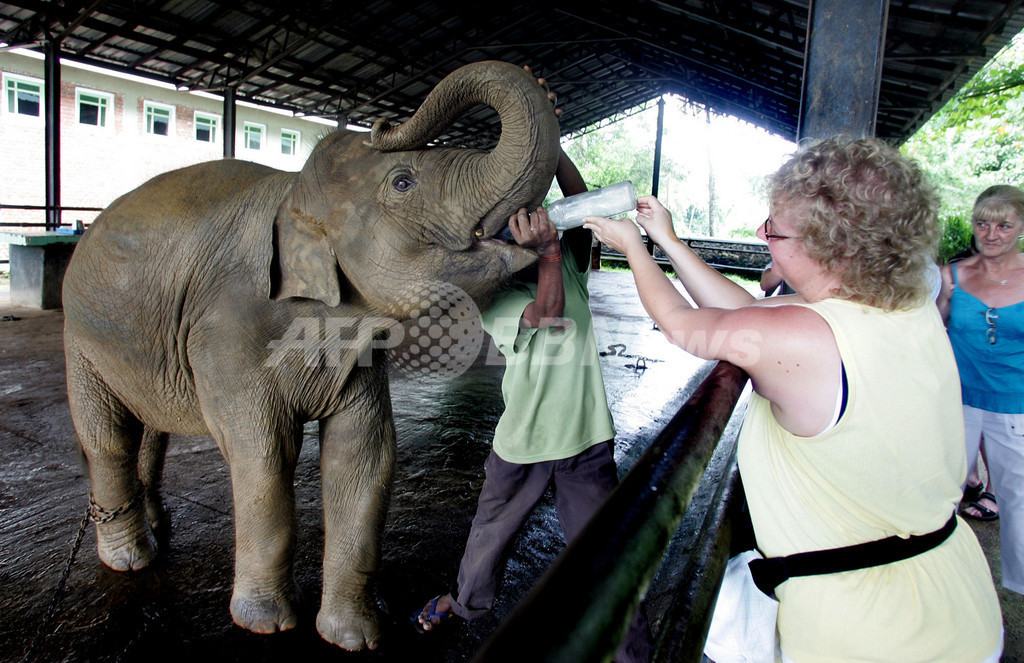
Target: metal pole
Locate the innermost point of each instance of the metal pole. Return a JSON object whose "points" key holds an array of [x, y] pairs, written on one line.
{"points": [[843, 68], [51, 112], [656, 177], [229, 122]]}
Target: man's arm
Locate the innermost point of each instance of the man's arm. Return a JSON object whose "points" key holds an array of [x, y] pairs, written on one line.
{"points": [[535, 231]]}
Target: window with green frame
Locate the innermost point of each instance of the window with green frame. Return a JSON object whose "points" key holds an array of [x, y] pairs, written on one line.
{"points": [[253, 135], [92, 108], [289, 142], [24, 97], [158, 120], [206, 127]]}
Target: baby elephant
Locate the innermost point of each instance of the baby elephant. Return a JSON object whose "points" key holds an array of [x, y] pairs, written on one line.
{"points": [[179, 293]]}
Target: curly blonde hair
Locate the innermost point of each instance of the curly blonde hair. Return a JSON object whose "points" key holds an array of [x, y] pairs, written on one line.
{"points": [[870, 218]]}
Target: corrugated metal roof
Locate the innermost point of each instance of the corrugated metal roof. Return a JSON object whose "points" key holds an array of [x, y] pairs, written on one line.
{"points": [[361, 62]]}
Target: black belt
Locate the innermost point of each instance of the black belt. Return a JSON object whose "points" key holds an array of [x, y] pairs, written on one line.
{"points": [[771, 572]]}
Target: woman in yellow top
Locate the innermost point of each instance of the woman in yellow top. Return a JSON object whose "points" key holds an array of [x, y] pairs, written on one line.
{"points": [[854, 431]]}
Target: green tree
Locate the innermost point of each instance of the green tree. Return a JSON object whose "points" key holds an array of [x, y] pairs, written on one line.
{"points": [[711, 165], [977, 138], [624, 150]]}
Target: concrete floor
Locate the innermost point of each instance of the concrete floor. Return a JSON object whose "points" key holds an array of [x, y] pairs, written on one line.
{"points": [[178, 608]]}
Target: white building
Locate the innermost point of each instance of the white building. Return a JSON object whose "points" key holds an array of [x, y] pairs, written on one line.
{"points": [[118, 131]]}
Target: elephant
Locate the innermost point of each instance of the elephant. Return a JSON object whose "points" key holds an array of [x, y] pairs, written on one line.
{"points": [[177, 293]]}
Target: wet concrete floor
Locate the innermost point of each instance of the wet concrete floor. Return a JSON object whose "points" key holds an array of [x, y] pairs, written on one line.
{"points": [[177, 609]]}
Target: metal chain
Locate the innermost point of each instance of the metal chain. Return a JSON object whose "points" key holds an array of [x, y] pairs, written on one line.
{"points": [[619, 350], [97, 514], [58, 593]]}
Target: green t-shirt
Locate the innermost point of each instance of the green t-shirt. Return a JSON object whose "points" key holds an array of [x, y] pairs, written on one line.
{"points": [[555, 403]]}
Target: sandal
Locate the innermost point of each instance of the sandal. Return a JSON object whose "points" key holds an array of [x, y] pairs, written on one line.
{"points": [[984, 513], [973, 493], [445, 616]]}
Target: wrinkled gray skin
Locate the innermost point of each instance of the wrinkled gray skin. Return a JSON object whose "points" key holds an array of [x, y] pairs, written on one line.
{"points": [[178, 288]]}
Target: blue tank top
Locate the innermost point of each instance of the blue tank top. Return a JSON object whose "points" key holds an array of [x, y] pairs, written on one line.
{"points": [[991, 374]]}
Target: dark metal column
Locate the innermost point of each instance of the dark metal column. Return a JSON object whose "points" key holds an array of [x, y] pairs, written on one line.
{"points": [[229, 122], [656, 177], [657, 147], [843, 68], [51, 112]]}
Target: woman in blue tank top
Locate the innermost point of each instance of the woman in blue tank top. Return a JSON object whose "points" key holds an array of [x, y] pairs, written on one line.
{"points": [[982, 302]]}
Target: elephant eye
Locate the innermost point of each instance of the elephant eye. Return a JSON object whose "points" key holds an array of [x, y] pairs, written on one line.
{"points": [[404, 183]]}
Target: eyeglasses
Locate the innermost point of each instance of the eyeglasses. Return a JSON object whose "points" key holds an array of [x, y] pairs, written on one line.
{"points": [[991, 316], [769, 235]]}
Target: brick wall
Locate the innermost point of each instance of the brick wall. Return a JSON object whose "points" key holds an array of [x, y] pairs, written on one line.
{"points": [[98, 164]]}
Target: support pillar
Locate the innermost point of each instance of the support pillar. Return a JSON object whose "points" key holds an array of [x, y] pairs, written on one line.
{"points": [[656, 177], [51, 112], [843, 68], [229, 122], [657, 147]]}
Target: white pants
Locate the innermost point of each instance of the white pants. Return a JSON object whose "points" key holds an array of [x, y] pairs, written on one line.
{"points": [[1004, 448]]}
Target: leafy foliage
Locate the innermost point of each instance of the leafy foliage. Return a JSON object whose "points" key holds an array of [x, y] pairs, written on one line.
{"points": [[956, 237], [977, 138], [712, 167], [622, 150]]}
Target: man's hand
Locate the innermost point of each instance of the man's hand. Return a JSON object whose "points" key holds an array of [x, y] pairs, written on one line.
{"points": [[535, 231], [552, 97]]}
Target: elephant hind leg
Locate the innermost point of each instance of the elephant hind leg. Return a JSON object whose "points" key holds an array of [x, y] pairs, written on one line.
{"points": [[151, 467], [110, 437]]}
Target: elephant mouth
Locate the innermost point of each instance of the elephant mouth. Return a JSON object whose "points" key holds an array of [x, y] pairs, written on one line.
{"points": [[501, 235], [504, 238], [493, 227]]}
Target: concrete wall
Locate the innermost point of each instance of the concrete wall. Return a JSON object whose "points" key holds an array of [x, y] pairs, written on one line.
{"points": [[98, 164]]}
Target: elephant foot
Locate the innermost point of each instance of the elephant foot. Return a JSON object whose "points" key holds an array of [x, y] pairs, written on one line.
{"points": [[126, 544], [355, 627], [261, 613], [156, 514]]}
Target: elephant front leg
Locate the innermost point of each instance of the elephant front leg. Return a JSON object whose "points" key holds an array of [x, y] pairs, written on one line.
{"points": [[263, 600], [357, 465]]}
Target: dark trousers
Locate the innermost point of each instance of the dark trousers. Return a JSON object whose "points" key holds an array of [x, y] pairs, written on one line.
{"points": [[510, 493]]}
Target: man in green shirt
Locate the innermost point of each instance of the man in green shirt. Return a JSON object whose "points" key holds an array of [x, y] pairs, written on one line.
{"points": [[556, 429]]}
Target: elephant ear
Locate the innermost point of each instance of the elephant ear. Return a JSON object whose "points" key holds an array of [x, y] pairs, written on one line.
{"points": [[303, 263]]}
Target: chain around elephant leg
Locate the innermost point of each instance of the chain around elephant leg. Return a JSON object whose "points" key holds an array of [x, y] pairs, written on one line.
{"points": [[124, 539]]}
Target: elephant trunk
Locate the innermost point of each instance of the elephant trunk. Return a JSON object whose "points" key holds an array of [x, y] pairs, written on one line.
{"points": [[519, 170]]}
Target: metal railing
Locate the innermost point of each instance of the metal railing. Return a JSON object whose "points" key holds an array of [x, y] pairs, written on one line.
{"points": [[579, 611], [43, 208], [731, 255], [41, 224]]}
